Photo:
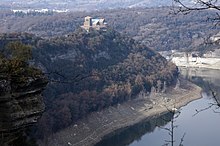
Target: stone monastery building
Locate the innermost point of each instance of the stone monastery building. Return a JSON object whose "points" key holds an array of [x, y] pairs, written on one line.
{"points": [[98, 24]]}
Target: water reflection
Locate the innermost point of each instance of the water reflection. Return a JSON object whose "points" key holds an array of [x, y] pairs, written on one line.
{"points": [[128, 135], [205, 78], [201, 130]]}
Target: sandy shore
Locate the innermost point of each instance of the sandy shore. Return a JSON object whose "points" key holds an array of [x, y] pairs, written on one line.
{"points": [[203, 62], [203, 66], [93, 128]]}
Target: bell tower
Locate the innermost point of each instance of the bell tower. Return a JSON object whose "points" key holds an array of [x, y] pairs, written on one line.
{"points": [[88, 21]]}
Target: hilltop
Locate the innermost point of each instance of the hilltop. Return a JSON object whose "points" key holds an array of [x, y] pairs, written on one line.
{"points": [[116, 69], [91, 71]]}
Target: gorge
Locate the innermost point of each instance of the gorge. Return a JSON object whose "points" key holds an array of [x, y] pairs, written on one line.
{"points": [[99, 82]]}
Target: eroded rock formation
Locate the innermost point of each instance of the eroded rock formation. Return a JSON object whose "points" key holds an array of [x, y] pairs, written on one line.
{"points": [[20, 106]]}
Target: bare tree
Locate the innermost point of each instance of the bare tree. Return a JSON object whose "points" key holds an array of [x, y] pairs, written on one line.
{"points": [[175, 114], [198, 5], [215, 103], [180, 6]]}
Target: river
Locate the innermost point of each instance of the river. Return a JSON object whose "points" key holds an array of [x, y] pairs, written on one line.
{"points": [[200, 128]]}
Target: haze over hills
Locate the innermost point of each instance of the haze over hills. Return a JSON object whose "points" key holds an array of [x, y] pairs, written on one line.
{"points": [[83, 5], [153, 27], [91, 70]]}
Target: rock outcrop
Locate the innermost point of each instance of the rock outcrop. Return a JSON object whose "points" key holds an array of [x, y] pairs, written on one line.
{"points": [[20, 106]]}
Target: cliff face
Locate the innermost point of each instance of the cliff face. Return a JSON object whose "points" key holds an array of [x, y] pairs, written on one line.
{"points": [[20, 106], [99, 69]]}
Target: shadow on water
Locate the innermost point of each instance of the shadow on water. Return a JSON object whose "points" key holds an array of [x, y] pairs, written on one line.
{"points": [[125, 136]]}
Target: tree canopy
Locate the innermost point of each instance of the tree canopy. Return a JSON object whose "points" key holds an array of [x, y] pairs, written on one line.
{"points": [[14, 65]]}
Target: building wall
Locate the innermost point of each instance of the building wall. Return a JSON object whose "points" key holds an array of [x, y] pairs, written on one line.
{"points": [[97, 24]]}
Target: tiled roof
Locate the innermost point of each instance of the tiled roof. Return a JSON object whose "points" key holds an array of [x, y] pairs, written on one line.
{"points": [[94, 21]]}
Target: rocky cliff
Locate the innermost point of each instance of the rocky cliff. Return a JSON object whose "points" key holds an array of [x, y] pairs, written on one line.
{"points": [[97, 70], [19, 107], [21, 85]]}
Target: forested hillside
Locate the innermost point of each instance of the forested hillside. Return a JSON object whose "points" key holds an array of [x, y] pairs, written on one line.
{"points": [[91, 71], [154, 27], [113, 69]]}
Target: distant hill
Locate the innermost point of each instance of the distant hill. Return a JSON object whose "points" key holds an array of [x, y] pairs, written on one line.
{"points": [[84, 5], [153, 27]]}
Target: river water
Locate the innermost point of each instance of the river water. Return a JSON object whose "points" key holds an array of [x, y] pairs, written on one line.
{"points": [[200, 128]]}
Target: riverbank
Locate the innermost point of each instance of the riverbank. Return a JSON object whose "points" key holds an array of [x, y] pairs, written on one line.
{"points": [[93, 128], [209, 63]]}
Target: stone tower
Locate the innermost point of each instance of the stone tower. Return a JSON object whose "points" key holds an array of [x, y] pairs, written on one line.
{"points": [[88, 22], [98, 24]]}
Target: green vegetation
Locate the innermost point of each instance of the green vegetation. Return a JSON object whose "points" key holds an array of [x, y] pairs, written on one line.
{"points": [[14, 66], [17, 78]]}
